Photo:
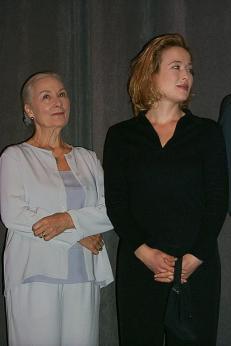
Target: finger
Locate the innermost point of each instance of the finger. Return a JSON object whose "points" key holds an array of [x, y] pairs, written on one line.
{"points": [[164, 275], [100, 244], [39, 232], [38, 224], [164, 267], [95, 251], [95, 246], [170, 258], [169, 262], [46, 236], [185, 276], [99, 247], [35, 226], [166, 280]]}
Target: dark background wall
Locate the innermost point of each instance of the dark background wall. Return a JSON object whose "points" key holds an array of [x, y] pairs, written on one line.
{"points": [[91, 43]]}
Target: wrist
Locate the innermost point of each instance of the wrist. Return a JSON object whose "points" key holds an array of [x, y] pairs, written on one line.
{"points": [[68, 221], [142, 251]]}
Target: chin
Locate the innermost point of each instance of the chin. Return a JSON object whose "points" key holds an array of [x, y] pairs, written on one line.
{"points": [[182, 99]]}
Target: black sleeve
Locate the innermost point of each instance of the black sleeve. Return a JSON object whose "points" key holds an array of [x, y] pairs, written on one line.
{"points": [[225, 122], [117, 191], [215, 182]]}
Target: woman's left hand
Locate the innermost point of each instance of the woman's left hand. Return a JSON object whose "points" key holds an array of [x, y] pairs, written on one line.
{"points": [[189, 264], [50, 226], [93, 243]]}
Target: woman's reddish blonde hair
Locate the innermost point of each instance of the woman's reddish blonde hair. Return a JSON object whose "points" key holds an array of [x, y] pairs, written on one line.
{"points": [[146, 63]]}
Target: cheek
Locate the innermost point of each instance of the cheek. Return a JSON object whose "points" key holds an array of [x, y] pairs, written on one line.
{"points": [[191, 82], [41, 111], [67, 107], [157, 84]]}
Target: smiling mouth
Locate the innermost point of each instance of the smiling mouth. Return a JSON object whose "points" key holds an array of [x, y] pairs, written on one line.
{"points": [[58, 113]]}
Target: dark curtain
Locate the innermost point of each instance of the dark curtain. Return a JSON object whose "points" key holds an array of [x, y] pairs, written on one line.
{"points": [[90, 43]]}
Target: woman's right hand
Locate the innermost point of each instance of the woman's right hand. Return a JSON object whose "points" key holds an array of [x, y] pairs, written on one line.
{"points": [[160, 263], [93, 243]]}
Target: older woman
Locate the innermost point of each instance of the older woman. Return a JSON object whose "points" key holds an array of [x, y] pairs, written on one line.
{"points": [[52, 202], [166, 195]]}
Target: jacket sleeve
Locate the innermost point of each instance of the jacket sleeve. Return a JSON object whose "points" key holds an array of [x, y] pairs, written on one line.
{"points": [[92, 220], [117, 190], [15, 211], [215, 182], [225, 122]]}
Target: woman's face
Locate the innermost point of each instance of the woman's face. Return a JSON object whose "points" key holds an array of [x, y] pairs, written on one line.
{"points": [[174, 78], [49, 103]]}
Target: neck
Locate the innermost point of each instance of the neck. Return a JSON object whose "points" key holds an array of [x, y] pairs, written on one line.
{"points": [[164, 113], [47, 139]]}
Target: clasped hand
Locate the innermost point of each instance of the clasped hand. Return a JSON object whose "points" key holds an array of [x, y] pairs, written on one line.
{"points": [[162, 264], [50, 226]]}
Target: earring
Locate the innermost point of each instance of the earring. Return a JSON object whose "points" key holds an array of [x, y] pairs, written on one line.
{"points": [[31, 118]]}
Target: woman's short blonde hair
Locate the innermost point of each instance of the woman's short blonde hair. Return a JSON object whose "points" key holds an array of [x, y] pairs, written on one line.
{"points": [[140, 85]]}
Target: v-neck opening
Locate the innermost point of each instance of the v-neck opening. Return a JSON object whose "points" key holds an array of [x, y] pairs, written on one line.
{"points": [[178, 125]]}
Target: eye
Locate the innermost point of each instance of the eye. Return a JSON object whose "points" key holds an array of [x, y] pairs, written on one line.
{"points": [[46, 97], [63, 94], [176, 67], [191, 71]]}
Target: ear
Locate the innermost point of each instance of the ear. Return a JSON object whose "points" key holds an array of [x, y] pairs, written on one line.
{"points": [[28, 110]]}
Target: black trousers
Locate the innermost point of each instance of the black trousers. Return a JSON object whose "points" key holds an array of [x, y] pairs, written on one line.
{"points": [[141, 303]]}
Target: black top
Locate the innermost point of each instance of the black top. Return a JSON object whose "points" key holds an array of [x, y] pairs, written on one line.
{"points": [[173, 198]]}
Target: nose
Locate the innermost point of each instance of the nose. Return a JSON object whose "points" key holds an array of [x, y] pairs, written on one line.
{"points": [[185, 74], [58, 101], [188, 73]]}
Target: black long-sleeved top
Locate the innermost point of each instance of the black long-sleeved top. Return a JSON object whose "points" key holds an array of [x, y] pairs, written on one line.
{"points": [[173, 198]]}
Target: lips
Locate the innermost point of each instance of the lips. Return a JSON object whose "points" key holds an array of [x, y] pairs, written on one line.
{"points": [[183, 86], [58, 113]]}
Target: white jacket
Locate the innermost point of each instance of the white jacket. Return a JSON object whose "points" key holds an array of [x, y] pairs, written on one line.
{"points": [[30, 189]]}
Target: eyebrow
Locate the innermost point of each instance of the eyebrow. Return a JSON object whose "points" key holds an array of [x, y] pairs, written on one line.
{"points": [[48, 91], [179, 62]]}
